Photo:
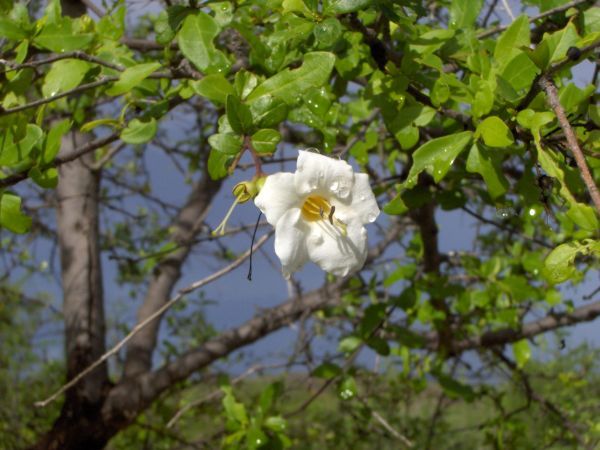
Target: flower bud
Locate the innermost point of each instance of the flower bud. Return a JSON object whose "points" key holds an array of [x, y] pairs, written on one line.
{"points": [[260, 182], [245, 191]]}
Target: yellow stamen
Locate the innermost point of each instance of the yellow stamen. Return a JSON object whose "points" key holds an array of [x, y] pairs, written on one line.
{"points": [[316, 208]]}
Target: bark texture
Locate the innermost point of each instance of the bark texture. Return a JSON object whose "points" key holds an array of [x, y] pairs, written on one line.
{"points": [[83, 303]]}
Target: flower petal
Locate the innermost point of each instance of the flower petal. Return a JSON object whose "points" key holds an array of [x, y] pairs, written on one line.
{"points": [[335, 252], [290, 241], [277, 196], [363, 203], [324, 175]]}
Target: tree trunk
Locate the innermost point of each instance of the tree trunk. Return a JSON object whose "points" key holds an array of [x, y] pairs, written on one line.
{"points": [[79, 424]]}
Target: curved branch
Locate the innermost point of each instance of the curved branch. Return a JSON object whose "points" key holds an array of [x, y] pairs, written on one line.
{"points": [[504, 336]]}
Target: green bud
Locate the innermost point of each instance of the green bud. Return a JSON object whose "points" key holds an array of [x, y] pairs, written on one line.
{"points": [[245, 191], [259, 182]]}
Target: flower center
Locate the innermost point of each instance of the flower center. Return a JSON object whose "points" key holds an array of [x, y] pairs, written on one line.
{"points": [[316, 208]]}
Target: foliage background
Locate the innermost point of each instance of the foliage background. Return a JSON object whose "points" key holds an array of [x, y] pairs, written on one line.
{"points": [[123, 135]]}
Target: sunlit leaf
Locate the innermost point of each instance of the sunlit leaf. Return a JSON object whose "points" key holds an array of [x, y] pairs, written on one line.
{"points": [[436, 156]]}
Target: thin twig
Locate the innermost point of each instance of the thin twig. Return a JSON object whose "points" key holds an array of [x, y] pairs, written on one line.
{"points": [[505, 228], [77, 54], [558, 9], [94, 145], [379, 418], [182, 292], [508, 10], [108, 156], [43, 101], [548, 85]]}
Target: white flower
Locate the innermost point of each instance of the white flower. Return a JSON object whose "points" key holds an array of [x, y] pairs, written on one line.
{"points": [[318, 213]]}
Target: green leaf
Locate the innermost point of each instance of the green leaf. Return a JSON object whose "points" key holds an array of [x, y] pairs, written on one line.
{"points": [[345, 6], [64, 75], [440, 92], [196, 42], [11, 216], [276, 423], [454, 388], [520, 72], [60, 37], [131, 77], [522, 352], [347, 388], [289, 84], [244, 82], [234, 410], [11, 152], [328, 32], [294, 6], [378, 344], [238, 115], [214, 87], [483, 101], [53, 140], [349, 344], [436, 156], [268, 111], [138, 132], [266, 140], [463, 13], [45, 178], [513, 38], [488, 165], [533, 120], [554, 47], [226, 143], [494, 132], [396, 206], [327, 371], [11, 30], [89, 126], [217, 164], [580, 213], [559, 265]]}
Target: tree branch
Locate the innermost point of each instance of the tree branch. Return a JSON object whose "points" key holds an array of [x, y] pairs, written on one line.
{"points": [[504, 336], [548, 85], [15, 178], [134, 394], [187, 225], [182, 292]]}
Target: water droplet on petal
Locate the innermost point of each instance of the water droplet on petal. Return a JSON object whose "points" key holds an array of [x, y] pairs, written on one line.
{"points": [[362, 198], [371, 217], [321, 174], [334, 186]]}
